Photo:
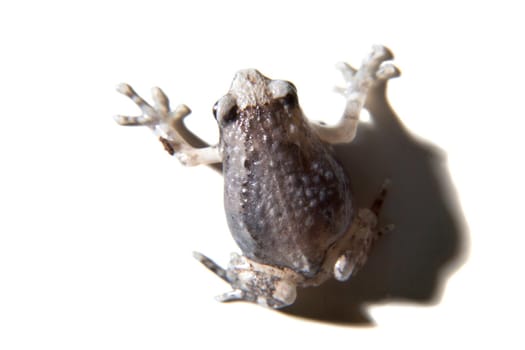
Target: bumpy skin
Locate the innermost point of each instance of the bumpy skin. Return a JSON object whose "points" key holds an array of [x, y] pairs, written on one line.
{"points": [[286, 197]]}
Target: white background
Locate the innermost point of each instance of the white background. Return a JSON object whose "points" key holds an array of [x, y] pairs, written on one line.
{"points": [[97, 223]]}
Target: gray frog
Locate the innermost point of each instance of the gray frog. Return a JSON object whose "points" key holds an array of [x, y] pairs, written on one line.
{"points": [[287, 199]]}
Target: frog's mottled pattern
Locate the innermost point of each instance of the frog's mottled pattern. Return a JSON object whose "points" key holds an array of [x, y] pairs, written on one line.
{"points": [[286, 198]]}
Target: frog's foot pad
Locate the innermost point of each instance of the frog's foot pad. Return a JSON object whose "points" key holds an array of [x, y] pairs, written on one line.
{"points": [[160, 118], [376, 67], [261, 284]]}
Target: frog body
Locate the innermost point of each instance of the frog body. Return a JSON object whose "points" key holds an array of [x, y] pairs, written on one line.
{"points": [[287, 199]]}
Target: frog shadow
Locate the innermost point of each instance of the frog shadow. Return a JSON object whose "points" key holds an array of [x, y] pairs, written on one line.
{"points": [[413, 262]]}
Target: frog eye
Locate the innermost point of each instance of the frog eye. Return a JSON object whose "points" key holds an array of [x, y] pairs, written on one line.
{"points": [[290, 99], [285, 92], [214, 110], [225, 110]]}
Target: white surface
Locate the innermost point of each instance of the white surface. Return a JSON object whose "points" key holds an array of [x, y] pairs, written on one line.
{"points": [[98, 224]]}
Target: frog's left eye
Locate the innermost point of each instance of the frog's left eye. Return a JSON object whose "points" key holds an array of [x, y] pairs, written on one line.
{"points": [[225, 110], [214, 110]]}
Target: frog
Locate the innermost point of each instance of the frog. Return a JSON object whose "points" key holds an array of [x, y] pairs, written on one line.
{"points": [[287, 199]]}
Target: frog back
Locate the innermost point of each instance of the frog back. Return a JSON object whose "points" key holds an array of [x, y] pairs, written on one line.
{"points": [[287, 199]]}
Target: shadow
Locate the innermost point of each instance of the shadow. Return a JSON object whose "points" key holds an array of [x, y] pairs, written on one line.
{"points": [[413, 262]]}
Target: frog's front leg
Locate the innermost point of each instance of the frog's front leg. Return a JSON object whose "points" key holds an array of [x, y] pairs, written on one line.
{"points": [[168, 126], [374, 69], [253, 282]]}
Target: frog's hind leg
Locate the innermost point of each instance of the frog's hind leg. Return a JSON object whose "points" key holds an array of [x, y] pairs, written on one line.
{"points": [[233, 295], [377, 204], [261, 284], [363, 236], [212, 266]]}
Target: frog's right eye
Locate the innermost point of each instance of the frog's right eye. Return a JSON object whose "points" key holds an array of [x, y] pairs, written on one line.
{"points": [[225, 110]]}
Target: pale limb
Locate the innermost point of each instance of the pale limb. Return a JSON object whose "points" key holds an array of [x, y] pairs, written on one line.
{"points": [[374, 69], [253, 282], [168, 126]]}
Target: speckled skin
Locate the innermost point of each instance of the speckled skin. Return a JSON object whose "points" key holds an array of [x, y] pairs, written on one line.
{"points": [[287, 199]]}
